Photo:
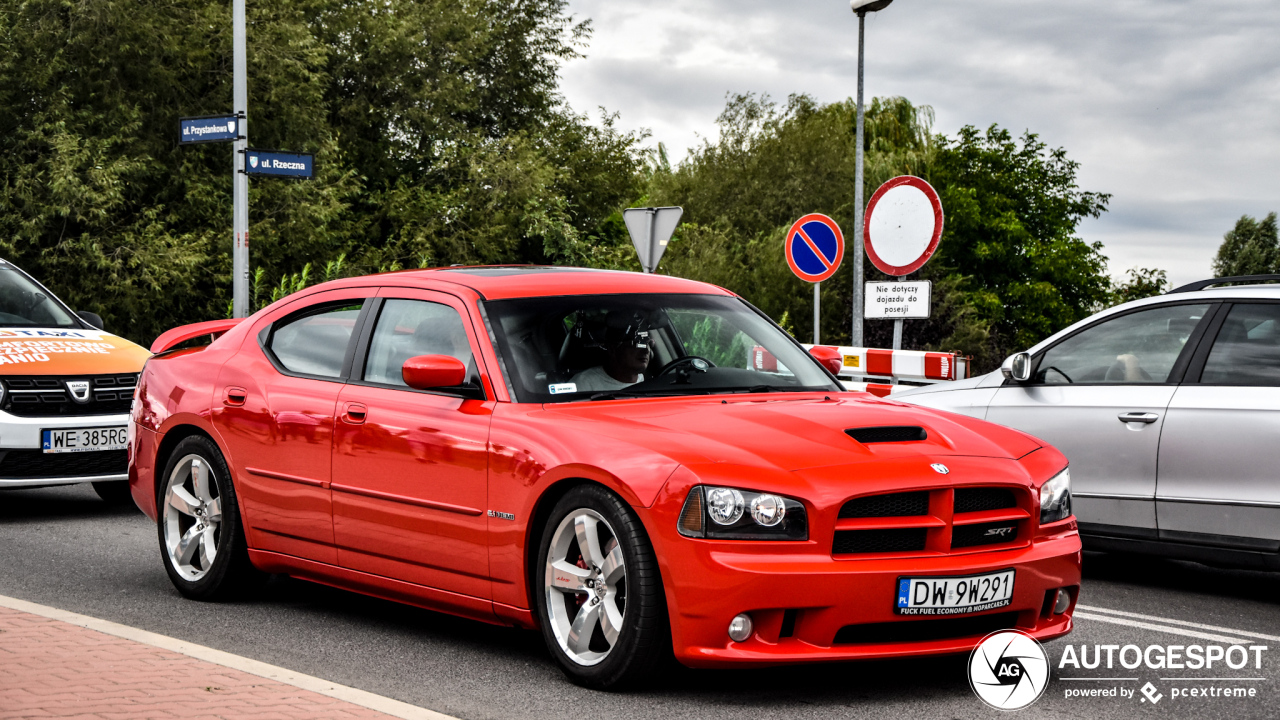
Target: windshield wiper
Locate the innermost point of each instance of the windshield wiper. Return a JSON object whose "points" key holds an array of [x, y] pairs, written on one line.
{"points": [[614, 395]]}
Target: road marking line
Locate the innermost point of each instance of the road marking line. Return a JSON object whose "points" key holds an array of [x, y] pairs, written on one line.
{"points": [[1160, 628], [1171, 621], [314, 684]]}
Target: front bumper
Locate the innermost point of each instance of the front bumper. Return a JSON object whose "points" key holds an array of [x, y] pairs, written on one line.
{"points": [[23, 434], [810, 606]]}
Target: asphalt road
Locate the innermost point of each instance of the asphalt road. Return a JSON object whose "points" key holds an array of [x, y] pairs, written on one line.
{"points": [[65, 548]]}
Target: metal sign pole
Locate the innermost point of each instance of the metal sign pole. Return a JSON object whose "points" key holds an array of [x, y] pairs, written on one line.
{"points": [[897, 326], [240, 183], [648, 263], [817, 306], [856, 340]]}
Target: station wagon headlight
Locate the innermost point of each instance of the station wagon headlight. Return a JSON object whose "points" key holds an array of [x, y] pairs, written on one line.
{"points": [[721, 513], [1055, 498]]}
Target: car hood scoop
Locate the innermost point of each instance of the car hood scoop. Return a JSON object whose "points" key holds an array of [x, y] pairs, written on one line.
{"points": [[888, 434]]}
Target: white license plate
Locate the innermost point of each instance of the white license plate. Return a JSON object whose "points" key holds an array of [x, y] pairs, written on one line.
{"points": [[954, 595], [84, 439]]}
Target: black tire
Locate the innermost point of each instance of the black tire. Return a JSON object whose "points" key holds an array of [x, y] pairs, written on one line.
{"points": [[231, 574], [643, 644], [114, 492]]}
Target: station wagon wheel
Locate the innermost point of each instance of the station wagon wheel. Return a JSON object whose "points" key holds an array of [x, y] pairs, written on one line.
{"points": [[201, 538], [600, 600]]}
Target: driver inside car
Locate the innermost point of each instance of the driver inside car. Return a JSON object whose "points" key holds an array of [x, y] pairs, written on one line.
{"points": [[627, 354]]}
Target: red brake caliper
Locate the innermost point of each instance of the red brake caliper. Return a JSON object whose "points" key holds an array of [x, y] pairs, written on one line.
{"points": [[580, 598]]}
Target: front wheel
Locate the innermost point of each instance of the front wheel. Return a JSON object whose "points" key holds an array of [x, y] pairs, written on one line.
{"points": [[600, 601], [201, 538]]}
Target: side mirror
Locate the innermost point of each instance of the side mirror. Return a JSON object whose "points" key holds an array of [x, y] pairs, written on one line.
{"points": [[425, 372], [1017, 367], [92, 318], [830, 358]]}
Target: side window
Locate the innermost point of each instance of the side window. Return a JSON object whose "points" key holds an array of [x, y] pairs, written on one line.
{"points": [[315, 342], [408, 328], [1139, 347], [1247, 349]]}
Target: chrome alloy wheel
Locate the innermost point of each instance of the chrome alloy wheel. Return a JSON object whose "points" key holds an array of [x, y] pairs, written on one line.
{"points": [[586, 586], [192, 517]]}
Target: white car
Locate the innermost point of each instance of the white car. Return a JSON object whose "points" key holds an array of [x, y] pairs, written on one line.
{"points": [[65, 392], [1168, 409]]}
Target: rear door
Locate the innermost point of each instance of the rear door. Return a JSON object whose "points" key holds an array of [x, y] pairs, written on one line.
{"points": [[1100, 395], [1220, 451], [275, 410]]}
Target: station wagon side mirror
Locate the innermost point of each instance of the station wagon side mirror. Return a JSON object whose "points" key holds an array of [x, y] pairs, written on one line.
{"points": [[1017, 367], [92, 318], [426, 372], [829, 357]]}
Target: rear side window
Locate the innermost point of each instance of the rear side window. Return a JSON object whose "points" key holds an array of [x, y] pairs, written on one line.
{"points": [[1139, 347], [1247, 349], [315, 342]]}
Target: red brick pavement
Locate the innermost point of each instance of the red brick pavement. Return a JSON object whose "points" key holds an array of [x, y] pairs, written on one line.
{"points": [[52, 669]]}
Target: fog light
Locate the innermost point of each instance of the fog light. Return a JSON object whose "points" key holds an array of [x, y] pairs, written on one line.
{"points": [[1063, 602], [740, 628]]}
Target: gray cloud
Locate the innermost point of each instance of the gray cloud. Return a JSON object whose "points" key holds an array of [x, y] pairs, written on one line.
{"points": [[1170, 105]]}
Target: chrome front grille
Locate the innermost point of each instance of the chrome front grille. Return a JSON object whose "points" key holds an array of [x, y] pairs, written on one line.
{"points": [[47, 395]]}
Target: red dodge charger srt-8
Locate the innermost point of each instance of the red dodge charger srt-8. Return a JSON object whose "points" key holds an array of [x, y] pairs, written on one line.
{"points": [[594, 454]]}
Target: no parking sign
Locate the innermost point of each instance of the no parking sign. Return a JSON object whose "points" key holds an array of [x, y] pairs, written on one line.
{"points": [[814, 248]]}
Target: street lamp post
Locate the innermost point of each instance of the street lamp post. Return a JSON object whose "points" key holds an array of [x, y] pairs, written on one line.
{"points": [[861, 7]]}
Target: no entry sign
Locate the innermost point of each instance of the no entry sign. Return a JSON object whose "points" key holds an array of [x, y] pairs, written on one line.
{"points": [[903, 225], [814, 248]]}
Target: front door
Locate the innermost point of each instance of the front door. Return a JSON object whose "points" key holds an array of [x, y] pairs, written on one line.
{"points": [[410, 467], [1099, 396], [1219, 454], [276, 414]]}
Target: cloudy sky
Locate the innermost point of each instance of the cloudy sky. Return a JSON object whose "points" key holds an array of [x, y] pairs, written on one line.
{"points": [[1172, 106]]}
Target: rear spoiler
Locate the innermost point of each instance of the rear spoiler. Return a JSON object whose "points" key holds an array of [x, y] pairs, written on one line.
{"points": [[170, 339]]}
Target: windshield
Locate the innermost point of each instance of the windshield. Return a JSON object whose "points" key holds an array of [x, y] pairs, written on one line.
{"points": [[25, 304], [582, 347]]}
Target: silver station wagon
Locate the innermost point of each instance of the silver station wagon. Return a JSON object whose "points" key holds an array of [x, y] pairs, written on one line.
{"points": [[1168, 409]]}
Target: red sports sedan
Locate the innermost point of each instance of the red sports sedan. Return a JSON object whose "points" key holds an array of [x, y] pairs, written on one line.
{"points": [[597, 455]]}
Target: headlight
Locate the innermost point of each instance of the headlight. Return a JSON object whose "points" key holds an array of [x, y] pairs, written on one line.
{"points": [[722, 513], [1055, 498]]}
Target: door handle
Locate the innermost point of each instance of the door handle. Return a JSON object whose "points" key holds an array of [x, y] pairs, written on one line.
{"points": [[354, 413], [235, 396], [1139, 417]]}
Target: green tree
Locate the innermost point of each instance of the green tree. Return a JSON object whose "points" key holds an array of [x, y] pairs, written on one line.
{"points": [[1252, 247], [1010, 268], [438, 130], [1139, 283], [1012, 213]]}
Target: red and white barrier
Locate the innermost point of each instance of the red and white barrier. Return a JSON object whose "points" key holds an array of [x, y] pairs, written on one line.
{"points": [[877, 389], [901, 364]]}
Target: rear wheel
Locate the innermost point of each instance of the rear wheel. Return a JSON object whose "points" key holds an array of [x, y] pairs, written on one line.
{"points": [[201, 539], [114, 492], [600, 600]]}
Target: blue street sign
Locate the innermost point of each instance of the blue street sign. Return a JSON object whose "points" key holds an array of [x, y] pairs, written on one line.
{"points": [[279, 164], [212, 128]]}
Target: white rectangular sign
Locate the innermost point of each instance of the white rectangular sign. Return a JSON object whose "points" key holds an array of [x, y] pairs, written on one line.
{"points": [[897, 300]]}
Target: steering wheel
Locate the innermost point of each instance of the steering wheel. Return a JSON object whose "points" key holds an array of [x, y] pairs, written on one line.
{"points": [[700, 364], [1059, 371]]}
